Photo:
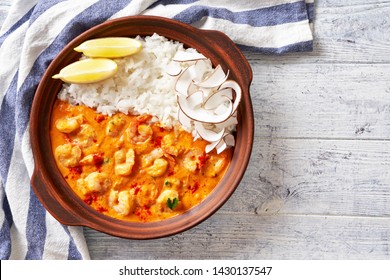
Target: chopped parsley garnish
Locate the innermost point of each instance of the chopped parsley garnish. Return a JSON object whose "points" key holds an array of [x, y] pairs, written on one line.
{"points": [[172, 203]]}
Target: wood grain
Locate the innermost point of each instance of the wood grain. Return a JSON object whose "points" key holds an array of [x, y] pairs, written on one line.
{"points": [[335, 101], [315, 177], [236, 236]]}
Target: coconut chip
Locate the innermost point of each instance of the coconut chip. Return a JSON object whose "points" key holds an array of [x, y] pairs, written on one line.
{"points": [[207, 100]]}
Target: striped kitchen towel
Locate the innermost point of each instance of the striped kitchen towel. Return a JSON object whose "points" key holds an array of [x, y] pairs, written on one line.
{"points": [[35, 31]]}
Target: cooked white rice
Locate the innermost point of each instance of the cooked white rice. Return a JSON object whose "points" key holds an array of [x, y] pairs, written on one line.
{"points": [[141, 85]]}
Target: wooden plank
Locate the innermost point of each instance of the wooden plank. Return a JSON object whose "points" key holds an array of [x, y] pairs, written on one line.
{"points": [[321, 177], [353, 33], [346, 31], [339, 101], [237, 236]]}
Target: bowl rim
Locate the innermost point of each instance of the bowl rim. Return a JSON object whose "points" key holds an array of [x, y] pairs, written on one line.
{"points": [[60, 200]]}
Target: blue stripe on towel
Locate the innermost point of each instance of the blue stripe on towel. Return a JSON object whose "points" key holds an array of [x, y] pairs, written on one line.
{"points": [[170, 2], [73, 253], [5, 231], [297, 47], [310, 11], [35, 228], [7, 128], [270, 16], [7, 138]]}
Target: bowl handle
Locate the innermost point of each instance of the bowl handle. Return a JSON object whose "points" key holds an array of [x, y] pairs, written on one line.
{"points": [[229, 49], [51, 201]]}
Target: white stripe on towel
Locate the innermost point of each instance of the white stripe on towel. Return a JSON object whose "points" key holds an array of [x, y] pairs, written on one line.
{"points": [[17, 198], [135, 7], [10, 63], [56, 242], [271, 36]]}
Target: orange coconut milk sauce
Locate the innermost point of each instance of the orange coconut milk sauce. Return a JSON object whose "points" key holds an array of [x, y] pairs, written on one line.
{"points": [[129, 168]]}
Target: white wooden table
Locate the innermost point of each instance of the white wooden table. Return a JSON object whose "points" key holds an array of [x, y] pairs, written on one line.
{"points": [[318, 184]]}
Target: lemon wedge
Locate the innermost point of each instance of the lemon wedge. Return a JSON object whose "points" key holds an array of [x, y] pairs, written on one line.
{"points": [[89, 70], [110, 47]]}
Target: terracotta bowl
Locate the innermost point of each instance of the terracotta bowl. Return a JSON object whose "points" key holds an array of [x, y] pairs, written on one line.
{"points": [[47, 181]]}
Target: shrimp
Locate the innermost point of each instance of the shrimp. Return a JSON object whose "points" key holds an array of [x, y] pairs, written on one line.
{"points": [[169, 145], [154, 164], [137, 132], [215, 166], [115, 125], [94, 182], [163, 198], [147, 194], [192, 161], [121, 202], [148, 159], [68, 155], [86, 136], [68, 125], [158, 168], [98, 182], [124, 162]]}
